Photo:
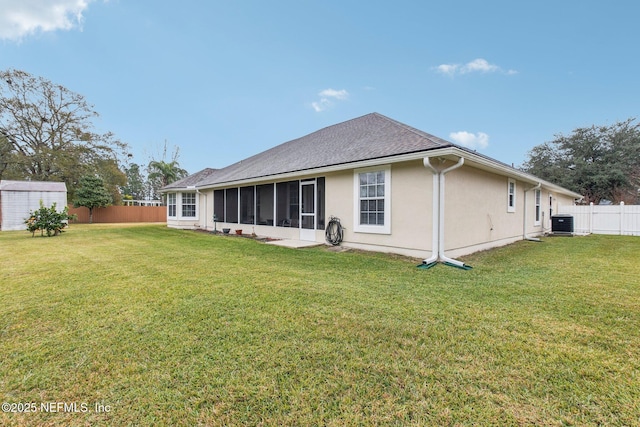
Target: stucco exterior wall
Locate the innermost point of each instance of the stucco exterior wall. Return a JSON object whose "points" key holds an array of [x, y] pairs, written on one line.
{"points": [[476, 212], [411, 211]]}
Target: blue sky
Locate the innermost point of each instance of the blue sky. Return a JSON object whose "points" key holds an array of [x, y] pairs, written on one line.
{"points": [[226, 80]]}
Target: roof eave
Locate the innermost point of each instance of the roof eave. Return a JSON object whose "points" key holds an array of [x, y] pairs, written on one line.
{"points": [[488, 164], [471, 158], [317, 171]]}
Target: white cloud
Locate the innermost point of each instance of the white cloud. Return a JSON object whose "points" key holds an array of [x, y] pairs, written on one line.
{"points": [[321, 105], [478, 65], [25, 17], [449, 69], [327, 97], [332, 93], [475, 141]]}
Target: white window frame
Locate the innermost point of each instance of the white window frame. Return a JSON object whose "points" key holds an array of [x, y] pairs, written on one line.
{"points": [[511, 195], [174, 205], [366, 228], [195, 215], [537, 213]]}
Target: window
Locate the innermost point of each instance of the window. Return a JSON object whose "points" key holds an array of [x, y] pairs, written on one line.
{"points": [[247, 198], [188, 205], [537, 195], [287, 205], [320, 204], [511, 196], [171, 205], [264, 204], [231, 205], [373, 202], [218, 205]]}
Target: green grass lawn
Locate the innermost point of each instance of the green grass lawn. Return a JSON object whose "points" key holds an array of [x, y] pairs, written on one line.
{"points": [[170, 327]]}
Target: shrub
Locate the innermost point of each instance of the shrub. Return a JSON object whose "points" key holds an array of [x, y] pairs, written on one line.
{"points": [[48, 219]]}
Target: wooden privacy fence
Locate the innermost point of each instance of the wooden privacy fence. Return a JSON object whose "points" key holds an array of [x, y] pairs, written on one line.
{"points": [[613, 219], [115, 214]]}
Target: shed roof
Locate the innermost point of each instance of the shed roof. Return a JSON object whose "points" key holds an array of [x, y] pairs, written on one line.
{"points": [[47, 186]]}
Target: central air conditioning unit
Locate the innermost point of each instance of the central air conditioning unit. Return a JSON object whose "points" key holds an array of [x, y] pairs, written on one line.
{"points": [[562, 225]]}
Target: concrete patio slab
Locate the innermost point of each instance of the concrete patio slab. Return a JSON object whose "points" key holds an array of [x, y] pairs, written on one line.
{"points": [[294, 244]]}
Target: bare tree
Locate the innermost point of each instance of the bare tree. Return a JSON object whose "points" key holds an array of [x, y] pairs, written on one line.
{"points": [[50, 129]]}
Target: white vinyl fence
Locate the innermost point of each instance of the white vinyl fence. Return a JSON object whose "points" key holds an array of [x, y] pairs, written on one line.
{"points": [[614, 219]]}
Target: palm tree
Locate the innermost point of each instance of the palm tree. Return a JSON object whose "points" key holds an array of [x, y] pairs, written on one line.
{"points": [[164, 173]]}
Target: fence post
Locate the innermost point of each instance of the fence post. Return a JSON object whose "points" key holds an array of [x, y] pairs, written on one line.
{"points": [[591, 218], [621, 218]]}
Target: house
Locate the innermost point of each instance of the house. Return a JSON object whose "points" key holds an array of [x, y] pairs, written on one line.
{"points": [[19, 198], [394, 188]]}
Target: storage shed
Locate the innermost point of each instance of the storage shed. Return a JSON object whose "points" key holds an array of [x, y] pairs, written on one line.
{"points": [[18, 198]]}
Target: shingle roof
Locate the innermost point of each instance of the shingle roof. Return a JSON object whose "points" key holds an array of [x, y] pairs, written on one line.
{"points": [[47, 186], [364, 138], [192, 179]]}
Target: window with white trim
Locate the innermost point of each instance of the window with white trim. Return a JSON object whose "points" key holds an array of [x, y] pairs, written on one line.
{"points": [[538, 197], [372, 190], [188, 205], [171, 205], [511, 196]]}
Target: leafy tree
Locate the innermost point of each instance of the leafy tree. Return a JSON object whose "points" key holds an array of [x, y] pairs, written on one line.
{"points": [[113, 178], [599, 162], [5, 154], [135, 186], [50, 130], [92, 194]]}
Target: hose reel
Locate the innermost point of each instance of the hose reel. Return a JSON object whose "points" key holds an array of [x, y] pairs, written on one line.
{"points": [[334, 232]]}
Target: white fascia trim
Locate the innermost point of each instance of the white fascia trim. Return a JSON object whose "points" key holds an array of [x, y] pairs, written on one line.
{"points": [[471, 159], [311, 173], [500, 168]]}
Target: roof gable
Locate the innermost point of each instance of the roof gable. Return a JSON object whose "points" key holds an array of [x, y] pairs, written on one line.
{"points": [[360, 140], [191, 180], [368, 137]]}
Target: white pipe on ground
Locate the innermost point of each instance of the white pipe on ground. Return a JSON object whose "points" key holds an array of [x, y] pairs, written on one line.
{"points": [[435, 221], [437, 238], [441, 253]]}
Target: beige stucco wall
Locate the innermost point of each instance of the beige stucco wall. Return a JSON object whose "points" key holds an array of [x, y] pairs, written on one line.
{"points": [[411, 212], [476, 214], [476, 209]]}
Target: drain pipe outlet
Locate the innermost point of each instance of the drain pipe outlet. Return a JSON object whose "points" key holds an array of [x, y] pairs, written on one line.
{"points": [[524, 219], [435, 220], [441, 253]]}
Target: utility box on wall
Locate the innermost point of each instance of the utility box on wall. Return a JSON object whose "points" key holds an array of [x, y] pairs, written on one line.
{"points": [[562, 224]]}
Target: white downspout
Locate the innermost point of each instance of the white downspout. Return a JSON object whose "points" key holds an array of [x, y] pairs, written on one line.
{"points": [[441, 253], [205, 206], [524, 219], [435, 220]]}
